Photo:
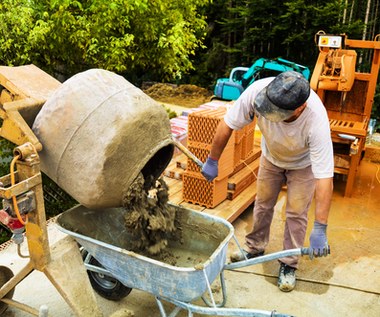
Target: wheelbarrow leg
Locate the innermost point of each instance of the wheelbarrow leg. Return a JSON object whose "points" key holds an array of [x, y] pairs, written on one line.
{"points": [[174, 313], [224, 294]]}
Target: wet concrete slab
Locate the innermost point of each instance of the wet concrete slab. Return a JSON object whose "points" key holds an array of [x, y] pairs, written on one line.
{"points": [[347, 283]]}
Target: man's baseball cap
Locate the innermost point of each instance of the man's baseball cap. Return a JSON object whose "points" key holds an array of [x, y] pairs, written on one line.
{"points": [[288, 91]]}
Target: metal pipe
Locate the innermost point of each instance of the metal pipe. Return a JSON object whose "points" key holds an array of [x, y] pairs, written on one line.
{"points": [[225, 311], [269, 257], [347, 136]]}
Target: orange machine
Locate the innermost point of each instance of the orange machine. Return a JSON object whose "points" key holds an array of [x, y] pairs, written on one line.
{"points": [[347, 90]]}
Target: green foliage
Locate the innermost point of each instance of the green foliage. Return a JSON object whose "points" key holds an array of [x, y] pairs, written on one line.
{"points": [[16, 22], [241, 31], [5, 234], [132, 37], [6, 156], [56, 200], [376, 108], [172, 114]]}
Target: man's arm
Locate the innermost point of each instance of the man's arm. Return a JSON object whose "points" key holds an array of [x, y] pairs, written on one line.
{"points": [[221, 137], [323, 195]]}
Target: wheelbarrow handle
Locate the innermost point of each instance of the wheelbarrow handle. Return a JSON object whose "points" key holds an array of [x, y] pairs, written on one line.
{"points": [[188, 153], [271, 257], [310, 253]]}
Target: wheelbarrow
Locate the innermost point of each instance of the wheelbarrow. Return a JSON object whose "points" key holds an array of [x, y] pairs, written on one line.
{"points": [[200, 251]]}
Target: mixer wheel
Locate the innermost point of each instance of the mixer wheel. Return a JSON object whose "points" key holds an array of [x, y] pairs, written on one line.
{"points": [[106, 286], [5, 275]]}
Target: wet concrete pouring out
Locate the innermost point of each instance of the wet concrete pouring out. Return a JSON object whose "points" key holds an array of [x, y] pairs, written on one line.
{"points": [[149, 219], [153, 225]]}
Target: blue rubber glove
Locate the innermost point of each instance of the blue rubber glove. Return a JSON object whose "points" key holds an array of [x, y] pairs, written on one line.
{"points": [[318, 240], [210, 169]]}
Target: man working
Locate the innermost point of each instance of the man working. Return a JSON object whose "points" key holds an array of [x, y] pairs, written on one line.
{"points": [[296, 151]]}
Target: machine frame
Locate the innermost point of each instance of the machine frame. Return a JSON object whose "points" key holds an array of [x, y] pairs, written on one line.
{"points": [[348, 95], [24, 90]]}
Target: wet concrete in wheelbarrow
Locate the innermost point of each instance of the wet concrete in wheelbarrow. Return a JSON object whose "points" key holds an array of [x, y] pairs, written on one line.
{"points": [[150, 219], [160, 230], [347, 283]]}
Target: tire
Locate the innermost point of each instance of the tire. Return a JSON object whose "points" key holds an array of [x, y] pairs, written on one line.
{"points": [[5, 275], [106, 286]]}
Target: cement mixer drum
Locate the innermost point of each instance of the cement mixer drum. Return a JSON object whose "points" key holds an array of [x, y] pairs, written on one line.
{"points": [[98, 133]]}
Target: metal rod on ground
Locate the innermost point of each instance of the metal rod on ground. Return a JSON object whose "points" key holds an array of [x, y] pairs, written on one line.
{"points": [[188, 153]]}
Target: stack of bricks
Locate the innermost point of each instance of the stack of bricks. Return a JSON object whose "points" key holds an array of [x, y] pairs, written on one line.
{"points": [[238, 164], [238, 154], [201, 130], [248, 140]]}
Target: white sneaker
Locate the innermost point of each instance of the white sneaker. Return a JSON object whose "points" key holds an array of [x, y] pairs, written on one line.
{"points": [[286, 278]]}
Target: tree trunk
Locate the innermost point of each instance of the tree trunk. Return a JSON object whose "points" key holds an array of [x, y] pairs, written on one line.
{"points": [[345, 12], [366, 19], [375, 19], [229, 41], [364, 31], [351, 12]]}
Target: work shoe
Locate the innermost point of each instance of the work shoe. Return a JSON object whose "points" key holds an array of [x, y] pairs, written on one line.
{"points": [[286, 278], [239, 256]]}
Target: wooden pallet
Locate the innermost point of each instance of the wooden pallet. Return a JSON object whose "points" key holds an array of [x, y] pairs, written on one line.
{"points": [[228, 209]]}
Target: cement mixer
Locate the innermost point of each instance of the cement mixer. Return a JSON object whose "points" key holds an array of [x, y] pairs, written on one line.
{"points": [[92, 135], [98, 132]]}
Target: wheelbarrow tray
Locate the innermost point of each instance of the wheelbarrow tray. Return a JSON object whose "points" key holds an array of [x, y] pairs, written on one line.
{"points": [[200, 250]]}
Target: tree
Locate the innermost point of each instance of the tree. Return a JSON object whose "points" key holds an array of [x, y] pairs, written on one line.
{"points": [[16, 22], [131, 37]]}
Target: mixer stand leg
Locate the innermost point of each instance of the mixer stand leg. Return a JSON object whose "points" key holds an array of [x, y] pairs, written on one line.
{"points": [[68, 274]]}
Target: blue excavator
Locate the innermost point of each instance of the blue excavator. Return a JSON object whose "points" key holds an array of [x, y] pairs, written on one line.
{"points": [[241, 77]]}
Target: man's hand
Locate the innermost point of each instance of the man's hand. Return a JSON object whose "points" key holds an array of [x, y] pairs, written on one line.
{"points": [[318, 240], [210, 169]]}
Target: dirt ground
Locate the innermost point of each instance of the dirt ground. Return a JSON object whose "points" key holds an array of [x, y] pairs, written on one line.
{"points": [[182, 95]]}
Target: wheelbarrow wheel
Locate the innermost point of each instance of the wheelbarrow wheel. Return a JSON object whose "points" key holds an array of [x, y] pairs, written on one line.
{"points": [[106, 286], [5, 275]]}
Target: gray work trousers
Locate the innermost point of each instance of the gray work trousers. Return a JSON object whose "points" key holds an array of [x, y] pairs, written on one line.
{"points": [[300, 191]]}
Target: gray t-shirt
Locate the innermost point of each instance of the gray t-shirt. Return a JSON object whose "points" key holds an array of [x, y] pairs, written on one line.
{"points": [[294, 145]]}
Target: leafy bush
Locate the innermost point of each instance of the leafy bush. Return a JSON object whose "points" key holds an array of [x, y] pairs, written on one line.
{"points": [[376, 108], [140, 38], [6, 155], [172, 114]]}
